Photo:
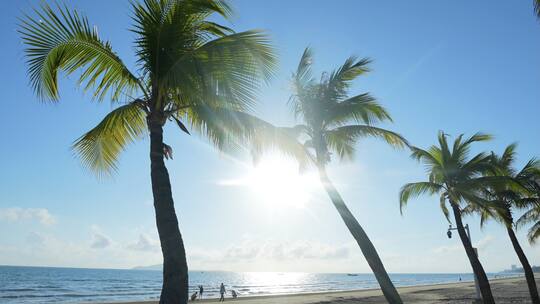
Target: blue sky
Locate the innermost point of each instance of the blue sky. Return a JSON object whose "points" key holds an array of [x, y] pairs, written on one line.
{"points": [[458, 66]]}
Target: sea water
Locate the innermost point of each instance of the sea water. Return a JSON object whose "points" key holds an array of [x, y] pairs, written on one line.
{"points": [[78, 285]]}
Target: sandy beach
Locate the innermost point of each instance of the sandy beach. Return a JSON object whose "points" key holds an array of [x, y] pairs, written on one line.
{"points": [[511, 290]]}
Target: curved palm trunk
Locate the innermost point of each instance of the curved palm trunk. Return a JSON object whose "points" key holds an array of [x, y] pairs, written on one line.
{"points": [[175, 270], [529, 275], [478, 270], [369, 251]]}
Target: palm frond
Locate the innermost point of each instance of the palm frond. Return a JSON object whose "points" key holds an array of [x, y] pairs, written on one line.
{"points": [[442, 205], [167, 29], [485, 207], [63, 40], [342, 139], [224, 70], [303, 75], [341, 142], [444, 148], [430, 157], [529, 175], [531, 215], [340, 80], [100, 148], [302, 81], [464, 147], [534, 233], [412, 190], [362, 108], [231, 130], [508, 157], [489, 182]]}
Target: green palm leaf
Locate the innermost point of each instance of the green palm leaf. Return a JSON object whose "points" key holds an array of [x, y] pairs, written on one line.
{"points": [[362, 108], [100, 148], [342, 139], [226, 69], [64, 41], [302, 81], [231, 130], [412, 190], [340, 80]]}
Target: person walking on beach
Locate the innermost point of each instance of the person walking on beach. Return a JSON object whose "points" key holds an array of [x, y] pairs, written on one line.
{"points": [[222, 292], [201, 290]]}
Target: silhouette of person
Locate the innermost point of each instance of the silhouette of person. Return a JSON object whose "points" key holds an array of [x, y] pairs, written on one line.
{"points": [[222, 292], [201, 290]]}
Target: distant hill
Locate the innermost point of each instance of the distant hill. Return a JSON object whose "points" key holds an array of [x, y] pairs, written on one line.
{"points": [[151, 267]]}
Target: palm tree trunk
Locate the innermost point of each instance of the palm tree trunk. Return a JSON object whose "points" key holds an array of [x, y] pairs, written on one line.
{"points": [[478, 270], [369, 251], [175, 270], [529, 275]]}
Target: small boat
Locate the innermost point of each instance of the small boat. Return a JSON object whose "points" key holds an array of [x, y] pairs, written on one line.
{"points": [[352, 274]]}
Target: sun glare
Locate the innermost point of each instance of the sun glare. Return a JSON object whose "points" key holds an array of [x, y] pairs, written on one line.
{"points": [[277, 183]]}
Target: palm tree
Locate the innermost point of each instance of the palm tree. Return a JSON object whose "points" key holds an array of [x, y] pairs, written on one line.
{"points": [[458, 179], [191, 71], [333, 121], [509, 197], [537, 7]]}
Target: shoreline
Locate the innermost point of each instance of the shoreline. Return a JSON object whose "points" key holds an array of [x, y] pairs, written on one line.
{"points": [[455, 292]]}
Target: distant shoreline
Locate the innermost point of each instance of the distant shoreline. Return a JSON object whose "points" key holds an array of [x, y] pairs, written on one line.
{"points": [[232, 271], [508, 290]]}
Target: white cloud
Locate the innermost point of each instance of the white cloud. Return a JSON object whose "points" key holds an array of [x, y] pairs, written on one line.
{"points": [[100, 241], [250, 250], [484, 242], [47, 249], [27, 214], [259, 254], [144, 243]]}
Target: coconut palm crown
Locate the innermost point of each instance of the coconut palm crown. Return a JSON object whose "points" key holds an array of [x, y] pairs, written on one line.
{"points": [[190, 71], [332, 120]]}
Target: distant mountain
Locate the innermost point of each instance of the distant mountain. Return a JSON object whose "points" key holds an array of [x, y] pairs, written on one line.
{"points": [[151, 267]]}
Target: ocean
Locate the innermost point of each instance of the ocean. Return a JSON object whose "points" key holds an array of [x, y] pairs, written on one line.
{"points": [[78, 285]]}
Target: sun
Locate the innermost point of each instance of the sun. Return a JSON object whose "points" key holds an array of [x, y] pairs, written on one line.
{"points": [[278, 184]]}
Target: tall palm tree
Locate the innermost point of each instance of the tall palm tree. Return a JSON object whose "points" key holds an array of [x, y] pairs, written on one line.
{"points": [[537, 7], [459, 180], [192, 71], [508, 197], [333, 121]]}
